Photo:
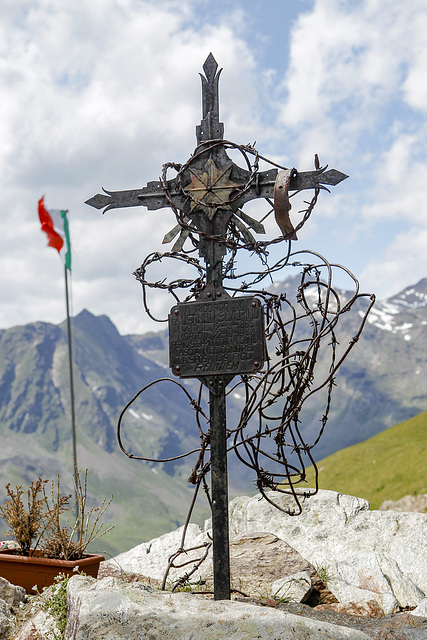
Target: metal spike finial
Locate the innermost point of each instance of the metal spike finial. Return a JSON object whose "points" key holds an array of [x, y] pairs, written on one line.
{"points": [[210, 91], [210, 67]]}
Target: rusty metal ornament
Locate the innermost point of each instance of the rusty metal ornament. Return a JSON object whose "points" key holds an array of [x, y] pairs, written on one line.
{"points": [[210, 188], [282, 205]]}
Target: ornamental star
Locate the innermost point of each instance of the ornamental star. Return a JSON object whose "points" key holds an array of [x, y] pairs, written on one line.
{"points": [[209, 187]]}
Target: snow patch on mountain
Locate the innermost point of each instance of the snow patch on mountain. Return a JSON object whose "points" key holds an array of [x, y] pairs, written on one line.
{"points": [[411, 299], [387, 315]]}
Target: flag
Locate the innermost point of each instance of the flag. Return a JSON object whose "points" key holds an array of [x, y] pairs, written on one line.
{"points": [[55, 225]]}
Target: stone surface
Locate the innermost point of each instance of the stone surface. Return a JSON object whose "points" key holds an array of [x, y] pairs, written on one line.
{"points": [[8, 544], [4, 619], [370, 555], [370, 609], [293, 588], [11, 593], [359, 578], [421, 610], [10, 597], [150, 559], [40, 626], [397, 626], [112, 610], [257, 562], [110, 570], [374, 562], [407, 504]]}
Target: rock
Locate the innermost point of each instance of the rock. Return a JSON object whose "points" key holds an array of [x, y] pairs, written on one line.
{"points": [[258, 563], [407, 504], [292, 588], [5, 617], [365, 556], [106, 569], [111, 609], [397, 626], [41, 625], [11, 594], [150, 559], [359, 579], [10, 597], [370, 609], [261, 565], [421, 610], [370, 555], [8, 544]]}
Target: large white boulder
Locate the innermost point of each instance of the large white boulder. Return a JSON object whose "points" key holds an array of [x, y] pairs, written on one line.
{"points": [[113, 610], [151, 558], [368, 555], [421, 610], [261, 565]]}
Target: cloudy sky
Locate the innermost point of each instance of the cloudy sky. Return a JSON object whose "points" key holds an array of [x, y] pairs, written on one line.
{"points": [[102, 93]]}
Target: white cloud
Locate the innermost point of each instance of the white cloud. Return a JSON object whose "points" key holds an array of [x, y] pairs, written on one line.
{"points": [[354, 69], [99, 94], [400, 186], [354, 57], [356, 95], [403, 262]]}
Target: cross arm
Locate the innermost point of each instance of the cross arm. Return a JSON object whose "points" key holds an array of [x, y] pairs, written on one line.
{"points": [[152, 196], [263, 185]]}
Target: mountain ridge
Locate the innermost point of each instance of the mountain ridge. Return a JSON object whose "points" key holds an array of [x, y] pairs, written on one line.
{"points": [[378, 386]]}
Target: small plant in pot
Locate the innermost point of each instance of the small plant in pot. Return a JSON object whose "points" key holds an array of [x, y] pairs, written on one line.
{"points": [[52, 533]]}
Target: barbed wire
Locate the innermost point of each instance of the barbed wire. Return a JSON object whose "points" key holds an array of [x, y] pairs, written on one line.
{"points": [[238, 236], [305, 351]]}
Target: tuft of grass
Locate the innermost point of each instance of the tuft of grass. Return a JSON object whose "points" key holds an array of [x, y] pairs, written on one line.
{"points": [[323, 573], [388, 466], [268, 599]]}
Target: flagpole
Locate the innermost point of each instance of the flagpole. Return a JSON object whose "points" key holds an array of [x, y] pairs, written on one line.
{"points": [[56, 240], [70, 362]]}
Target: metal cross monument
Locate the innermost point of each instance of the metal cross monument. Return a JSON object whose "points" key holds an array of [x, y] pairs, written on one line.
{"points": [[217, 336]]}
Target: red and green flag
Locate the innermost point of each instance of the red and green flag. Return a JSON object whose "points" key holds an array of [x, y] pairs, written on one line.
{"points": [[55, 225]]}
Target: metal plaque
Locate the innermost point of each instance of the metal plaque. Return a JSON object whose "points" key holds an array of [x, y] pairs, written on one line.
{"points": [[216, 337]]}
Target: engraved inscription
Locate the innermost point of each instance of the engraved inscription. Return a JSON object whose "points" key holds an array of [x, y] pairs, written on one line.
{"points": [[216, 337]]}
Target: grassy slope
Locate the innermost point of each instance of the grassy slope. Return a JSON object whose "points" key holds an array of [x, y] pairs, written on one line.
{"points": [[388, 466]]}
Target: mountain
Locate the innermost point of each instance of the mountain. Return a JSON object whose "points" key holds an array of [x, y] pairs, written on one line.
{"points": [[389, 466], [382, 383], [35, 423], [378, 386]]}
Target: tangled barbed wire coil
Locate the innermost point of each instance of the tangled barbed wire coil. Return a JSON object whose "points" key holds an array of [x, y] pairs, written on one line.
{"points": [[305, 352]]}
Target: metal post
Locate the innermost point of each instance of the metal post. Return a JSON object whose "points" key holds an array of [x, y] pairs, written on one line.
{"points": [[219, 484], [70, 365]]}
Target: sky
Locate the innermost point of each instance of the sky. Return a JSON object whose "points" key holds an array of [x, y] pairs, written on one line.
{"points": [[103, 93]]}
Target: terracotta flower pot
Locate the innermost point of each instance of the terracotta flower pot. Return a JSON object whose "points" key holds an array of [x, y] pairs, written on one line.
{"points": [[28, 571]]}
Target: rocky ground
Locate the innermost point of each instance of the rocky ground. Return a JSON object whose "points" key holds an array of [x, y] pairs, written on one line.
{"points": [[344, 572]]}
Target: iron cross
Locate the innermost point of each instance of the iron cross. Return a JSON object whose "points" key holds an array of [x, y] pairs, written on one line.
{"points": [[207, 197]]}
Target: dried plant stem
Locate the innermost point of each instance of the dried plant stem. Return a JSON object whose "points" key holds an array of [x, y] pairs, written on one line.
{"points": [[46, 523]]}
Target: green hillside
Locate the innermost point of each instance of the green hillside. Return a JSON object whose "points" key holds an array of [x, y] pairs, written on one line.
{"points": [[388, 466]]}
